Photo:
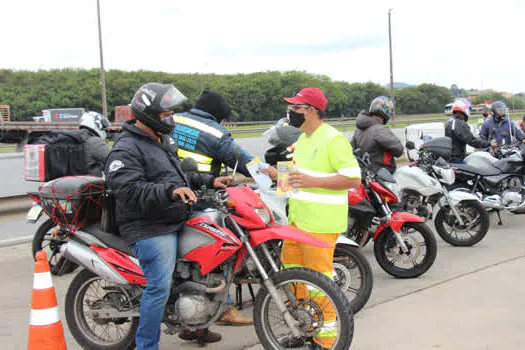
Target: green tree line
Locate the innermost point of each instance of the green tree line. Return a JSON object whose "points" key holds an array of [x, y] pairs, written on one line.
{"points": [[255, 96]]}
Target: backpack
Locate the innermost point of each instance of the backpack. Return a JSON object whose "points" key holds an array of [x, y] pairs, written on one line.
{"points": [[64, 153]]}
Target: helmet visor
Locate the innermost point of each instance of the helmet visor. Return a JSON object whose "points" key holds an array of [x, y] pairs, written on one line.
{"points": [[172, 98], [500, 110]]}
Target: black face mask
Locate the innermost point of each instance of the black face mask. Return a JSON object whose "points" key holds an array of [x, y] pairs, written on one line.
{"points": [[296, 119]]}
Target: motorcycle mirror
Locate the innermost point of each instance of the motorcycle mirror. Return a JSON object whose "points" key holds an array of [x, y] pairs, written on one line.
{"points": [[410, 145], [189, 165]]}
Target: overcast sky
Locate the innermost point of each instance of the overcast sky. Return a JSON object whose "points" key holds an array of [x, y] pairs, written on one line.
{"points": [[474, 44]]}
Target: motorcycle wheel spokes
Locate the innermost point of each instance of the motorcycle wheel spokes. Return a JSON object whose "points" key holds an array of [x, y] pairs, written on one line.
{"points": [[95, 293], [476, 224], [353, 274], [421, 254], [307, 310]]}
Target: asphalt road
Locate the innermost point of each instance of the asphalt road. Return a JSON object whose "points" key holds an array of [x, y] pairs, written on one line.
{"points": [[12, 164], [472, 298]]}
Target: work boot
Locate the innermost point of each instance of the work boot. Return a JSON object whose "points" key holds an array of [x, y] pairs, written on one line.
{"points": [[202, 336], [232, 317]]}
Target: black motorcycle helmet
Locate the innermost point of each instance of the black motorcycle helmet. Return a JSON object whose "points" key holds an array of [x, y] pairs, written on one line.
{"points": [[214, 103], [151, 100], [498, 110]]}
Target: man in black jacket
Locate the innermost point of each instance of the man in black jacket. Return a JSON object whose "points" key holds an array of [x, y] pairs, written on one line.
{"points": [[93, 128], [145, 175], [458, 130], [373, 137]]}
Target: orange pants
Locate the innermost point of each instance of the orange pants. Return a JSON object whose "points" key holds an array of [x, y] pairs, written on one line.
{"points": [[296, 254]]}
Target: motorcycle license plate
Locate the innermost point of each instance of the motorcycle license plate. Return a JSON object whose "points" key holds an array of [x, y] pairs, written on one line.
{"points": [[34, 213]]}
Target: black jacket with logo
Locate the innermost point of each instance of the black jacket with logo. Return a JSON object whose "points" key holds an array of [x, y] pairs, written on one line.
{"points": [[142, 174]]}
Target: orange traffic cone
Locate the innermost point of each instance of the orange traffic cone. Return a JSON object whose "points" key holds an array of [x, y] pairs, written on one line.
{"points": [[45, 327]]}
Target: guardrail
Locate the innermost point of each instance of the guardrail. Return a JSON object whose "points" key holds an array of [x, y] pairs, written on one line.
{"points": [[12, 205]]}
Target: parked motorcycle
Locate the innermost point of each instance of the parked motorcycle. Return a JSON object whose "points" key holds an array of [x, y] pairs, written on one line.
{"points": [[352, 271], [498, 183], [366, 213], [461, 219], [403, 245], [234, 238]]}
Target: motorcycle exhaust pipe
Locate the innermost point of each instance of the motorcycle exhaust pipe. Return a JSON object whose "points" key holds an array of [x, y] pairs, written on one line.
{"points": [[89, 259], [191, 285]]}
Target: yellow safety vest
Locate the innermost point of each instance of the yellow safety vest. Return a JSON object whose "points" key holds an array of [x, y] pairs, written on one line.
{"points": [[326, 152]]}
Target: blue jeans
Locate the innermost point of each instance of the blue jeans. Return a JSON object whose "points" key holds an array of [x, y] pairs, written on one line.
{"points": [[157, 257]]}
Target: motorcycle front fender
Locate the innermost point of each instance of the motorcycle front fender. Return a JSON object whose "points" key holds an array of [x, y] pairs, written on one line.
{"points": [[342, 239], [397, 220], [285, 233], [458, 196]]}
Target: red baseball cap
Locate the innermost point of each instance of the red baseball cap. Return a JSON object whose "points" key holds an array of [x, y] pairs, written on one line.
{"points": [[310, 96]]}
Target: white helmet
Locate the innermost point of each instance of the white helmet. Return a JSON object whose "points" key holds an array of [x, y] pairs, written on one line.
{"points": [[95, 122]]}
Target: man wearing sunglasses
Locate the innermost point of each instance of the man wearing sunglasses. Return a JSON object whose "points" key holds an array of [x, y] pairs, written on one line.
{"points": [[325, 169]]}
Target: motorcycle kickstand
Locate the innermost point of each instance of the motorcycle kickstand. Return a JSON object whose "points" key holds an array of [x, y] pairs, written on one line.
{"points": [[499, 217]]}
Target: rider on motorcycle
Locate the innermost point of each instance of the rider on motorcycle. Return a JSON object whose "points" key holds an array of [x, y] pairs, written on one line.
{"points": [[499, 128], [374, 137], [145, 176], [458, 130]]}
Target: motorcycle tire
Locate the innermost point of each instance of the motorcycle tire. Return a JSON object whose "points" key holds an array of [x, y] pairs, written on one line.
{"points": [[347, 259], [466, 206], [43, 240], [384, 242], [284, 277], [77, 322]]}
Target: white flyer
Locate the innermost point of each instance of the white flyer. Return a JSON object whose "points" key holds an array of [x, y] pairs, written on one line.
{"points": [[263, 180]]}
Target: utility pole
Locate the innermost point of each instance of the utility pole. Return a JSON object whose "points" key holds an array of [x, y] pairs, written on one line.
{"points": [[102, 73], [392, 97]]}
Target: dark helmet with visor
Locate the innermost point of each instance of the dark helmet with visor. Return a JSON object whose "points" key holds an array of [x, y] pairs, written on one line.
{"points": [[498, 110], [151, 100]]}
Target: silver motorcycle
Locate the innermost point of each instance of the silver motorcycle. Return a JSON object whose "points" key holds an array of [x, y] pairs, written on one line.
{"points": [[461, 219]]}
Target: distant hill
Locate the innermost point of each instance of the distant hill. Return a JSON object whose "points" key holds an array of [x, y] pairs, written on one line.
{"points": [[398, 85]]}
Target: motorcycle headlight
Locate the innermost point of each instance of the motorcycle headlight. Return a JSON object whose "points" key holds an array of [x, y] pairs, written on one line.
{"points": [[445, 175], [264, 214]]}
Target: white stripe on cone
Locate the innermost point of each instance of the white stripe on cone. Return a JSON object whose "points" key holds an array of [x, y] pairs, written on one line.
{"points": [[44, 317], [42, 280]]}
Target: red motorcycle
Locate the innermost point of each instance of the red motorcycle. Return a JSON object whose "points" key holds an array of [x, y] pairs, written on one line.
{"points": [[233, 239], [403, 245]]}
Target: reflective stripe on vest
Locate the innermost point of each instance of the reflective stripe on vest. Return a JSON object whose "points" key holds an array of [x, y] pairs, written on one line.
{"points": [[203, 162], [321, 210], [320, 198], [198, 125]]}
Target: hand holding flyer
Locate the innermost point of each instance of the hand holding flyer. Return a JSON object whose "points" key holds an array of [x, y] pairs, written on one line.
{"points": [[254, 167], [283, 172]]}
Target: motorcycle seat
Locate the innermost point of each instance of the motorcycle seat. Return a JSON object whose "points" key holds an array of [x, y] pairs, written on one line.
{"points": [[483, 171], [108, 239]]}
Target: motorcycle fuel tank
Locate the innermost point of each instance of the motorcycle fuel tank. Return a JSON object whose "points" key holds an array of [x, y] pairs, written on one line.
{"points": [[415, 179]]}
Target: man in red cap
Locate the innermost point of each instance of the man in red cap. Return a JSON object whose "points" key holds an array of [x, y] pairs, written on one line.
{"points": [[325, 170]]}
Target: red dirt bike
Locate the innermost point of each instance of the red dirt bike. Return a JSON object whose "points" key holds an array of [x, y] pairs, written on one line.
{"points": [[234, 239], [403, 245]]}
